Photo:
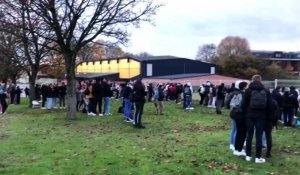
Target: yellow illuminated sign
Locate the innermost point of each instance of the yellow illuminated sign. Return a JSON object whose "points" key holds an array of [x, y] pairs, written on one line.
{"points": [[127, 68]]}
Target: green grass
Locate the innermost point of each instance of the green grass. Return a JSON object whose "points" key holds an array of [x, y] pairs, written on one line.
{"points": [[35, 142]]}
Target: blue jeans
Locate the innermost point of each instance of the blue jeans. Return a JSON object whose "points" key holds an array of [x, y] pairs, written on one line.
{"points": [[259, 125], [233, 133], [55, 102], [49, 103], [106, 105], [188, 101], [127, 108]]}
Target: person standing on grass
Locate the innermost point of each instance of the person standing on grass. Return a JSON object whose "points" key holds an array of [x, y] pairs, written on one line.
{"points": [[238, 118], [179, 88], [50, 95], [256, 105], [158, 100], [288, 107], [3, 100], [62, 91], [26, 90], [91, 99], [98, 94], [150, 92], [107, 94], [220, 98], [138, 97], [18, 93], [44, 92], [127, 102], [55, 97], [187, 93], [276, 95], [12, 91]]}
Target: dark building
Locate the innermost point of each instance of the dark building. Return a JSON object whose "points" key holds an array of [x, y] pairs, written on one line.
{"points": [[142, 67]]}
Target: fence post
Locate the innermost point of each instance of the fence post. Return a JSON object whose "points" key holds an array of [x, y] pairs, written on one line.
{"points": [[275, 83]]}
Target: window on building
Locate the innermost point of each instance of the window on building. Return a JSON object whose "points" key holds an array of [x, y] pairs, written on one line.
{"points": [[212, 70], [149, 70], [278, 55]]}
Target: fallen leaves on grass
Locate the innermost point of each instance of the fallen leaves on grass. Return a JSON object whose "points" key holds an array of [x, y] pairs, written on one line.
{"points": [[225, 167], [196, 128], [104, 170]]}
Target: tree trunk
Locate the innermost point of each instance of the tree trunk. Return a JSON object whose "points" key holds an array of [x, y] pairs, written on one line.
{"points": [[32, 94], [71, 86]]}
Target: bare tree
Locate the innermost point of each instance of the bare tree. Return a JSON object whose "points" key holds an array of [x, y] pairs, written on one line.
{"points": [[19, 15], [206, 52], [11, 65], [75, 23], [233, 46]]}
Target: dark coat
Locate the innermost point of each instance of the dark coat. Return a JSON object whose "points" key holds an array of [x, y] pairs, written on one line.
{"points": [[221, 93], [62, 91], [138, 94], [98, 90], [127, 92], [107, 92], [278, 97], [255, 113]]}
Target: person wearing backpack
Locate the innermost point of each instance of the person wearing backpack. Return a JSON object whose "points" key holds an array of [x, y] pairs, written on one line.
{"points": [[237, 116], [187, 93], [256, 106], [234, 101]]}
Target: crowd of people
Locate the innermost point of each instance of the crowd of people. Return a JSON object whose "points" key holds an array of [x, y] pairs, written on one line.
{"points": [[252, 106], [51, 96]]}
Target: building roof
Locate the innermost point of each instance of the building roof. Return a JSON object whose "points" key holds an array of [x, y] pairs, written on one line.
{"points": [[179, 76], [163, 57], [94, 75]]}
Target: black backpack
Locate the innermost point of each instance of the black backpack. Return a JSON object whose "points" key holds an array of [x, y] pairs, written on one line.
{"points": [[258, 99], [187, 90]]}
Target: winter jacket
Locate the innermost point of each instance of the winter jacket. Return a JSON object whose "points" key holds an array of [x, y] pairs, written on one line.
{"points": [[278, 97], [138, 94], [127, 92], [221, 93], [98, 90], [62, 91], [107, 92]]}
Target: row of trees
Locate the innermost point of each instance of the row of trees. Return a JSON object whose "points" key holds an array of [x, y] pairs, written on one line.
{"points": [[233, 57], [64, 28]]}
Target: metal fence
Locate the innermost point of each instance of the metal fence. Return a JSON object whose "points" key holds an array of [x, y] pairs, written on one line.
{"points": [[281, 83]]}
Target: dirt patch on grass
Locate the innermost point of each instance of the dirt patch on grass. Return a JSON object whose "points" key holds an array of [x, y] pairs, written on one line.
{"points": [[197, 128], [4, 136]]}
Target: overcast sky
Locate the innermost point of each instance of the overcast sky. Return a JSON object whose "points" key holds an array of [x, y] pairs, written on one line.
{"points": [[183, 25]]}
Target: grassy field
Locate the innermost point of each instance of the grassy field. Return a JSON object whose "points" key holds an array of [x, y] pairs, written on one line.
{"points": [[36, 142]]}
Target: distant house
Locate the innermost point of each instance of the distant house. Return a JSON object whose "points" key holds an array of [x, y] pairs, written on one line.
{"points": [[290, 61]]}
